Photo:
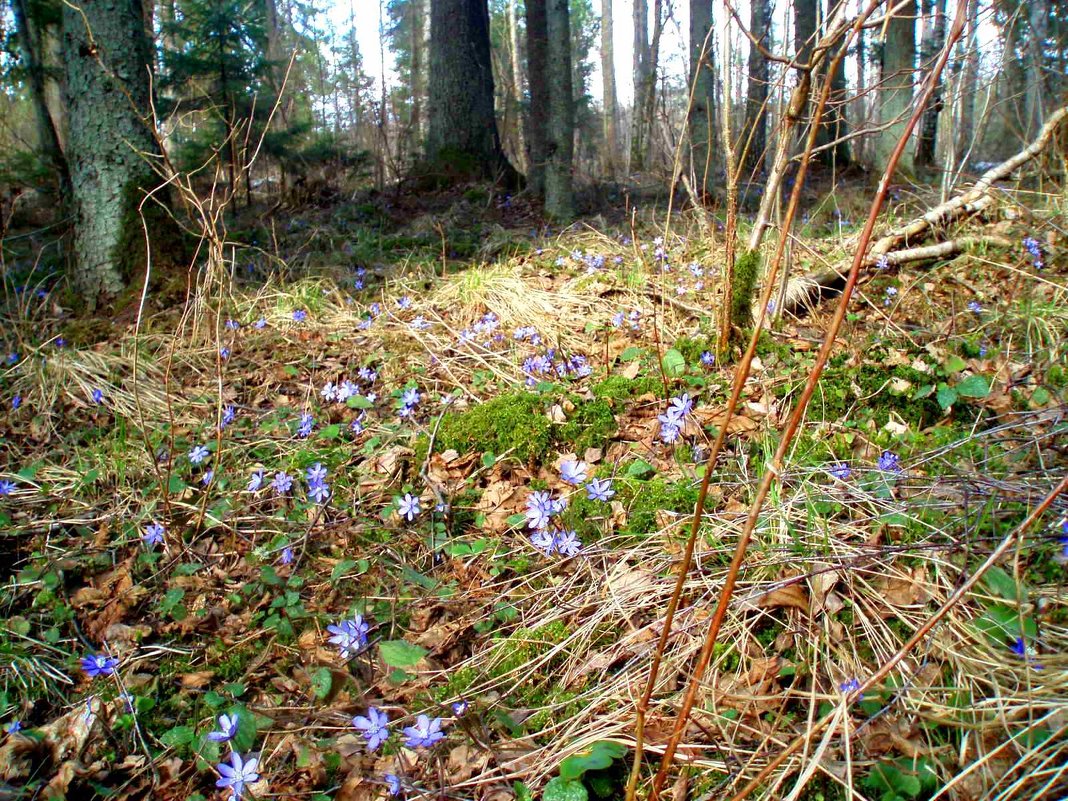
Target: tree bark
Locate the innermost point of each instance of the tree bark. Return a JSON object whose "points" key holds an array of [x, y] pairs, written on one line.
{"points": [[48, 135], [108, 61], [640, 60], [837, 128], [516, 100], [462, 137], [1038, 22], [970, 79], [559, 201], [896, 76], [611, 111], [537, 79], [702, 121], [756, 96], [934, 34]]}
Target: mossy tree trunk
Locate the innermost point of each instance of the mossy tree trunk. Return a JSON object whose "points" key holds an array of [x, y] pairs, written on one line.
{"points": [[108, 60], [559, 200], [462, 136]]}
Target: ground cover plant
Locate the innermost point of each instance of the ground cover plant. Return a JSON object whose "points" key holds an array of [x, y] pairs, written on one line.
{"points": [[406, 527]]}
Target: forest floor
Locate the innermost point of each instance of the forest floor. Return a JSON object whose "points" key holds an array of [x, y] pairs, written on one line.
{"points": [[353, 426]]}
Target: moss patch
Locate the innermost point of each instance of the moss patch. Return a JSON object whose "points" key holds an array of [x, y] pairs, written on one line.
{"points": [[643, 499], [514, 422]]}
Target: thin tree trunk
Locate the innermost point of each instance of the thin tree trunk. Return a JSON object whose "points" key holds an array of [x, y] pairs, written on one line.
{"points": [[537, 78], [896, 78], [934, 34], [970, 79], [47, 134], [516, 98], [641, 58], [836, 124], [1038, 22], [559, 201], [756, 96], [416, 24], [110, 146], [608, 71]]}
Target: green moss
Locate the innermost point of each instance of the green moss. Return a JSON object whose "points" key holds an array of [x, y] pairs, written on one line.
{"points": [[692, 348], [514, 422], [619, 387], [643, 499], [746, 272], [590, 425], [867, 392]]}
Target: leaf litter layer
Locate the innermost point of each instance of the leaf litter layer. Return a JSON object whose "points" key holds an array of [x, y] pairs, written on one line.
{"points": [[580, 338]]}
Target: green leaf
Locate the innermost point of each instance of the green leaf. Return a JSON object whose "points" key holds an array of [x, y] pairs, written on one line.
{"points": [[640, 468], [560, 789], [1000, 583], [358, 402], [489, 458], [322, 681], [598, 756], [974, 386], [522, 792], [247, 728], [516, 519], [946, 397], [923, 392], [340, 569], [178, 736], [630, 354], [175, 484], [1001, 624], [269, 576], [954, 364], [330, 432], [398, 653], [674, 363]]}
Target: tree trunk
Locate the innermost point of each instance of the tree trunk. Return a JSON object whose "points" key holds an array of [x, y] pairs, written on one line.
{"points": [[537, 79], [48, 136], [756, 97], [608, 71], [462, 137], [806, 25], [836, 125], [934, 34], [1038, 22], [110, 146], [516, 99], [896, 76], [970, 80], [703, 121], [641, 58], [559, 202], [416, 23]]}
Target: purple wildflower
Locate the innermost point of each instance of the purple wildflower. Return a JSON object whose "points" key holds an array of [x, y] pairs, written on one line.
{"points": [[374, 727], [425, 733]]}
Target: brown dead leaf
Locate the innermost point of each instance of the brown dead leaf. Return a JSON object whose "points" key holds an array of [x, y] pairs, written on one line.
{"points": [[631, 371], [465, 761], [740, 423], [196, 680], [790, 595], [905, 588]]}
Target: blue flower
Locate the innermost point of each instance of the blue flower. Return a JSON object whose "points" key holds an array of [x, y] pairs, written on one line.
{"points": [[287, 556], [16, 402], [841, 471], [669, 431], [540, 508], [316, 473], [6, 487], [410, 397], [573, 472], [14, 727], [708, 358], [393, 783], [1019, 647], [356, 426], [544, 541], [425, 733], [567, 543], [600, 489], [260, 324], [153, 534], [405, 302], [459, 708], [408, 507], [850, 686], [679, 407], [61, 342], [282, 483], [882, 263], [349, 635], [307, 423], [231, 325], [374, 727], [227, 416], [227, 729], [99, 665], [890, 462], [237, 773], [319, 492], [329, 391], [255, 481], [207, 477], [97, 396], [198, 454], [299, 316], [12, 358], [224, 353]]}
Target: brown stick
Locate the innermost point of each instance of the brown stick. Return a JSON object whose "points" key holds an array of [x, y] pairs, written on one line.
{"points": [[795, 418]]}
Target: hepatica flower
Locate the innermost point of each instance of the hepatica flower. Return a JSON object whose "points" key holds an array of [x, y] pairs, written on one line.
{"points": [[299, 316], [282, 483], [14, 727], [573, 472], [307, 423], [316, 473], [153, 535], [425, 733], [404, 302], [1035, 249], [319, 492], [98, 665], [255, 481], [227, 417], [198, 454], [373, 726], [227, 728], [974, 307], [567, 543], [543, 540], [708, 359], [840, 471], [349, 635], [260, 324], [540, 508], [408, 507], [671, 421], [890, 462], [98, 396], [287, 556], [600, 489], [236, 773], [393, 783]]}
